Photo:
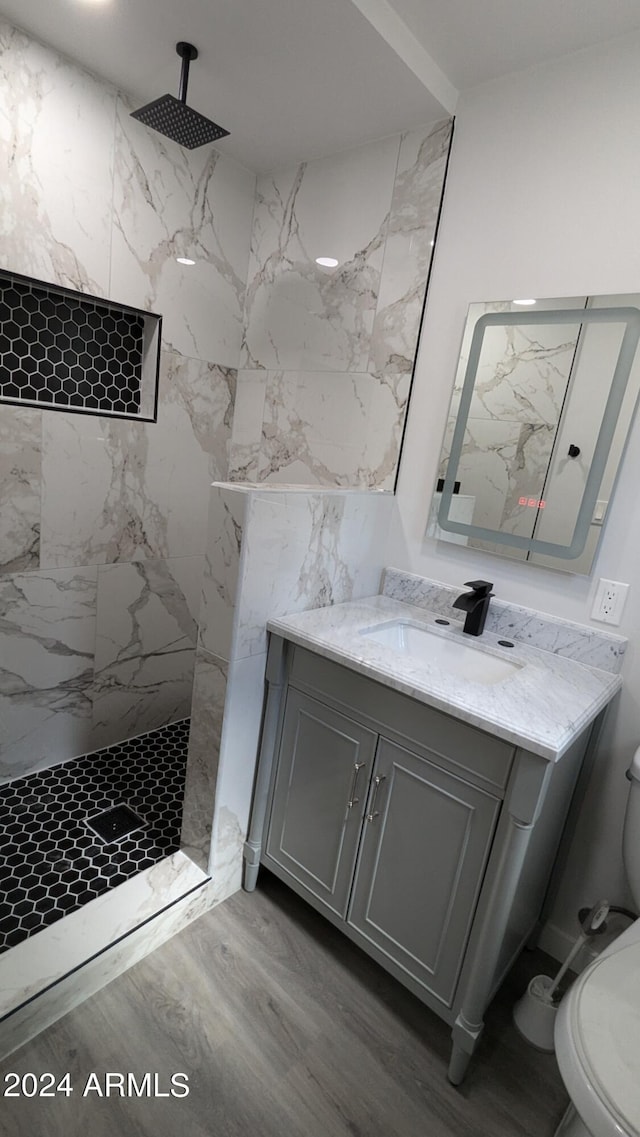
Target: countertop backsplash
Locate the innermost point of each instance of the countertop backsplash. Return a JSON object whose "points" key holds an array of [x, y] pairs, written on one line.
{"points": [[511, 621]]}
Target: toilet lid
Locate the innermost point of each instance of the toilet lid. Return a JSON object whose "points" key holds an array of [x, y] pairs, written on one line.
{"points": [[606, 1026]]}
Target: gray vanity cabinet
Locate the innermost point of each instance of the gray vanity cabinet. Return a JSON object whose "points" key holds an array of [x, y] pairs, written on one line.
{"points": [[319, 797], [427, 841], [381, 836], [424, 848]]}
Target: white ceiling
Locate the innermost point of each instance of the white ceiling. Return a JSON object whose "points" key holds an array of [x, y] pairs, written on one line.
{"points": [[477, 40], [297, 79]]}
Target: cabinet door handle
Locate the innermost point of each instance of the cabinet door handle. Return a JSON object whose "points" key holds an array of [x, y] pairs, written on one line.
{"points": [[375, 812], [352, 792]]}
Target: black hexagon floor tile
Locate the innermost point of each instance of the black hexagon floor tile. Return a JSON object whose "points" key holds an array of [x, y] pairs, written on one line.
{"points": [[51, 858]]}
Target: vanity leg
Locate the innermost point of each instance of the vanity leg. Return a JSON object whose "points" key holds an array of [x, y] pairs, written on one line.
{"points": [[250, 873], [253, 845], [459, 1062], [526, 793]]}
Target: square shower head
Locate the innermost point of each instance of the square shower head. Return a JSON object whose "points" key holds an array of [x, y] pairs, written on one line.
{"points": [[176, 120]]}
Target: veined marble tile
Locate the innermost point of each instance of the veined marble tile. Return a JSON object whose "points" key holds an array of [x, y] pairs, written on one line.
{"points": [[47, 640], [550, 633], [207, 709], [305, 550], [246, 434], [299, 316], [20, 464], [56, 154], [331, 429], [417, 194], [364, 541], [145, 646], [306, 412], [238, 756], [227, 848], [383, 438], [204, 393], [170, 202], [227, 512], [66, 963], [95, 505], [115, 490], [188, 447]]}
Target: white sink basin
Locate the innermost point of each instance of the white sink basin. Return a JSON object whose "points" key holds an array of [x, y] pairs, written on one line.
{"points": [[415, 641]]}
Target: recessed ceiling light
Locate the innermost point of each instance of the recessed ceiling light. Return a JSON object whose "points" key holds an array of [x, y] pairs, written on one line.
{"points": [[327, 262], [185, 261], [524, 301]]}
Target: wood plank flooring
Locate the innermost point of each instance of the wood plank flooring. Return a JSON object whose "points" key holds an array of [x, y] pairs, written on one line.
{"points": [[285, 1029]]}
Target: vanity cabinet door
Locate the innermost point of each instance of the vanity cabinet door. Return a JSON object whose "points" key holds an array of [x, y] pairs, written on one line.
{"points": [[320, 791], [426, 840]]}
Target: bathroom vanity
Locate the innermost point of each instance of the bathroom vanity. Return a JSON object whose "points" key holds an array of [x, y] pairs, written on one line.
{"points": [[414, 789]]}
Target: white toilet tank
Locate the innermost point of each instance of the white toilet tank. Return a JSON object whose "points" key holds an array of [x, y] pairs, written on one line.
{"points": [[631, 838]]}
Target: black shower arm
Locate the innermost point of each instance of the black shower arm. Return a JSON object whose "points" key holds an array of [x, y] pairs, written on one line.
{"points": [[187, 52]]}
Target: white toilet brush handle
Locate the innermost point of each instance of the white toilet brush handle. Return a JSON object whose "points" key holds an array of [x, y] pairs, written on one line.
{"points": [[592, 921], [581, 940]]}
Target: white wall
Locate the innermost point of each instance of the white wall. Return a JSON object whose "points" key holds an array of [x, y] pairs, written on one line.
{"points": [[541, 200]]}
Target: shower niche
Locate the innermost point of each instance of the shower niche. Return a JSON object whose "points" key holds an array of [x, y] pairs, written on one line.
{"points": [[65, 350]]}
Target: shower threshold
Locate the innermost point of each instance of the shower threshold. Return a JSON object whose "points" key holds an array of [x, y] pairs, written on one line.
{"points": [[47, 975]]}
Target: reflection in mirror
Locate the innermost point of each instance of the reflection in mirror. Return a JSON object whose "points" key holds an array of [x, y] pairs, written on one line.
{"points": [[543, 398]]}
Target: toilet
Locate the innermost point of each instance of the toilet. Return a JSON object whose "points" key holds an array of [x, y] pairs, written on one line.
{"points": [[597, 1030]]}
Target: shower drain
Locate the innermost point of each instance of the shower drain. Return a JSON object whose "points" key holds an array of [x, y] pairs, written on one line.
{"points": [[73, 832], [115, 823]]}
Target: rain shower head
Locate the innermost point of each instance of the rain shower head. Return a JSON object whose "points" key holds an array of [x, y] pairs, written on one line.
{"points": [[173, 118]]}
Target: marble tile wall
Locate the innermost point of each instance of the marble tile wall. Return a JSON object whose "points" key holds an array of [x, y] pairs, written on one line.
{"points": [[91, 199], [103, 521], [57, 161], [272, 550], [327, 354]]}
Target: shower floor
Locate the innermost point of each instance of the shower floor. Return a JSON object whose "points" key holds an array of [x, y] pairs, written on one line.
{"points": [[51, 859]]}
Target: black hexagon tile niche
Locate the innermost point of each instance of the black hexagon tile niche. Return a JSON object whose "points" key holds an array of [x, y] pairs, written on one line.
{"points": [[52, 859], [62, 349]]}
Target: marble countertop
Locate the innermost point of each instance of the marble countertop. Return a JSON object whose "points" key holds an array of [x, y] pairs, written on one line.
{"points": [[543, 706]]}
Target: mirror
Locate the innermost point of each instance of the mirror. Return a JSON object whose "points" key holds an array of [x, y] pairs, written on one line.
{"points": [[544, 394]]}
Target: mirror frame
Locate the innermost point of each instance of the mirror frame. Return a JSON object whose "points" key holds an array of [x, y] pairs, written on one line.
{"points": [[628, 315]]}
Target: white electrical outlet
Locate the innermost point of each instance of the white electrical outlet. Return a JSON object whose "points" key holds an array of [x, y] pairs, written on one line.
{"points": [[609, 601]]}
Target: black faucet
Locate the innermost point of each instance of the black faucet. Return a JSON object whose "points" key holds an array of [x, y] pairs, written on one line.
{"points": [[475, 604]]}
